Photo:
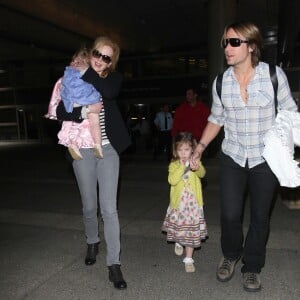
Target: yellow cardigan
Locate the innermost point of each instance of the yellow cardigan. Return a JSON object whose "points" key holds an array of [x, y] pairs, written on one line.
{"points": [[176, 171]]}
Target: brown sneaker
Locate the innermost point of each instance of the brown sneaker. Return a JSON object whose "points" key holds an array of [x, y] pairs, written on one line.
{"points": [[225, 269], [251, 282]]}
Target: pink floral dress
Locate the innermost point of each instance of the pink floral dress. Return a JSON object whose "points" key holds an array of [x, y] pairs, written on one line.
{"points": [[71, 132], [186, 224]]}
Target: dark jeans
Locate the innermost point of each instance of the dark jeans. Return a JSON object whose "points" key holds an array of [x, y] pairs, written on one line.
{"points": [[236, 181]]}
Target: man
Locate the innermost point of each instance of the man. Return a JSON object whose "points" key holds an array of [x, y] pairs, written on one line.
{"points": [[164, 122], [246, 109], [191, 115]]}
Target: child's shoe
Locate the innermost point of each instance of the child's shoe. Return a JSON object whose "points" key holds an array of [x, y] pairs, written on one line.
{"points": [[189, 265], [178, 249], [98, 151], [75, 153]]}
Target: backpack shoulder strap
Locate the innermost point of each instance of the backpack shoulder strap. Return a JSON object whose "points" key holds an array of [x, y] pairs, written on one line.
{"points": [[273, 76], [219, 86]]}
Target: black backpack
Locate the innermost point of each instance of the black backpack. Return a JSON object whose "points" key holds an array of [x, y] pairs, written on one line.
{"points": [[273, 76]]}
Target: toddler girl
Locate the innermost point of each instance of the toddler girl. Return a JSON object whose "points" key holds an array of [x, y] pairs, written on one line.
{"points": [[73, 91], [184, 222]]}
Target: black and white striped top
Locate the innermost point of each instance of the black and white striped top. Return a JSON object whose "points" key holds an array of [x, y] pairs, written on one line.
{"points": [[104, 137]]}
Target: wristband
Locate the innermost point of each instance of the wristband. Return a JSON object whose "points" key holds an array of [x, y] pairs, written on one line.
{"points": [[202, 145]]}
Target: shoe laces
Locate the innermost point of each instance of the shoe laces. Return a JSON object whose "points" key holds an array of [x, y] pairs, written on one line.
{"points": [[226, 265], [251, 278]]}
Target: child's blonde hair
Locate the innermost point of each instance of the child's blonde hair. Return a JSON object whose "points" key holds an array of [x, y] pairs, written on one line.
{"points": [[182, 138], [82, 54]]}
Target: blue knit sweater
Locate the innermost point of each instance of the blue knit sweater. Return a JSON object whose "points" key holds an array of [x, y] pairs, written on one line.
{"points": [[75, 90]]}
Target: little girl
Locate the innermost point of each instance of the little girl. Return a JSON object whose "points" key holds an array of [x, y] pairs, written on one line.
{"points": [[73, 91], [184, 222]]}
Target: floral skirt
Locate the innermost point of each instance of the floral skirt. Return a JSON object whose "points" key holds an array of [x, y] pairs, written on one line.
{"points": [[186, 224]]}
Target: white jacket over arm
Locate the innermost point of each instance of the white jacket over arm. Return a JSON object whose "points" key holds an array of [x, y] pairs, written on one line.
{"points": [[279, 148]]}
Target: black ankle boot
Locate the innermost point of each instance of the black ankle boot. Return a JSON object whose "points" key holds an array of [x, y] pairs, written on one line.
{"points": [[115, 276], [92, 251]]}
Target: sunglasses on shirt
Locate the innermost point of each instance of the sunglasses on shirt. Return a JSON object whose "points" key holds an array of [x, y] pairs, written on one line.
{"points": [[234, 42], [105, 58]]}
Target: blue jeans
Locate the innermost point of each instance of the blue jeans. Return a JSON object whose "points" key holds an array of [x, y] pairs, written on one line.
{"points": [[236, 181], [89, 172]]}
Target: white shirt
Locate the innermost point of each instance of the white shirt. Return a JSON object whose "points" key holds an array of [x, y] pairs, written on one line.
{"points": [[160, 120]]}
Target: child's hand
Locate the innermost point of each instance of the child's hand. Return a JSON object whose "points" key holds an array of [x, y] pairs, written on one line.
{"points": [[183, 161], [194, 164]]}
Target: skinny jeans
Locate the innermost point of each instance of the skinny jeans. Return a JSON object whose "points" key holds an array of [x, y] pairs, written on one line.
{"points": [[236, 181], [97, 180]]}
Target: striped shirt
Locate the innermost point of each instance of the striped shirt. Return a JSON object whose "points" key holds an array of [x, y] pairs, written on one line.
{"points": [[245, 124], [104, 137]]}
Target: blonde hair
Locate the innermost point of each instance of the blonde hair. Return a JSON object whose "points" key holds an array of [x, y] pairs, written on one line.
{"points": [[83, 54], [182, 138], [252, 34], [106, 41]]}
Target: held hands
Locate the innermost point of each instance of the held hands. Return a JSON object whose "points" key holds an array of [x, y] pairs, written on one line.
{"points": [[196, 157], [194, 163]]}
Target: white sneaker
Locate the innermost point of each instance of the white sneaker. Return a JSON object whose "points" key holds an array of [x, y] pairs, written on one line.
{"points": [[178, 249], [189, 265]]}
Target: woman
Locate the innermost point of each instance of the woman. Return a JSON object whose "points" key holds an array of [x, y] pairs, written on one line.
{"points": [[91, 170]]}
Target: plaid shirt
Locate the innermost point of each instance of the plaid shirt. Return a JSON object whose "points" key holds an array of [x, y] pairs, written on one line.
{"points": [[245, 124]]}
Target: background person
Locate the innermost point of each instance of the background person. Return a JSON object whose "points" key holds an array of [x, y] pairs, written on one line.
{"points": [[247, 111], [90, 170], [163, 122], [191, 115]]}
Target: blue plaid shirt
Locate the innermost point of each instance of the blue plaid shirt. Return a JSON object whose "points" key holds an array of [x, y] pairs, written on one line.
{"points": [[245, 124]]}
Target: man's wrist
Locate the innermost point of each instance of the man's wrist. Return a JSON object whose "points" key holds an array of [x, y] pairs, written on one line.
{"points": [[202, 146]]}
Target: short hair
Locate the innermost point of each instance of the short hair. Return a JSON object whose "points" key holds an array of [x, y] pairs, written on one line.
{"points": [[252, 34], [195, 91]]}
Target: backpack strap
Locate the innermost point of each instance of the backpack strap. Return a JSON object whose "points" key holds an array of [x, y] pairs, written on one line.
{"points": [[273, 76], [219, 86]]}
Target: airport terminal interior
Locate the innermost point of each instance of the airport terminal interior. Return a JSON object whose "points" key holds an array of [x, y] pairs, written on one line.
{"points": [[165, 47]]}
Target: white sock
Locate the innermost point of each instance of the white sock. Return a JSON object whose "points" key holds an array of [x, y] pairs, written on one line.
{"points": [[188, 260]]}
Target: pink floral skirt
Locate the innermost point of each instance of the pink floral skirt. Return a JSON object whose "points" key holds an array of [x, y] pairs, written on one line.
{"points": [[78, 134], [186, 224]]}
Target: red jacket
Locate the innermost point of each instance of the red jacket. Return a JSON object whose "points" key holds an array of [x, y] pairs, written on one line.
{"points": [[191, 118]]}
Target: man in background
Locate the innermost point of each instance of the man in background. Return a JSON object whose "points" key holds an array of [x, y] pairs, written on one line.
{"points": [[163, 122], [191, 115]]}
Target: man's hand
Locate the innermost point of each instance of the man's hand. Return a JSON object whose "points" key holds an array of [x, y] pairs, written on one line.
{"points": [[196, 157]]}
